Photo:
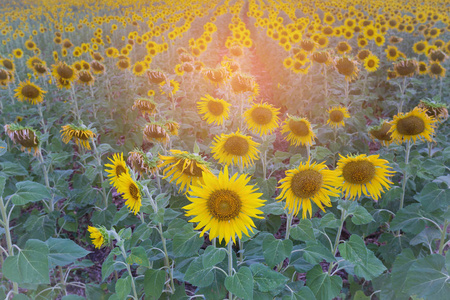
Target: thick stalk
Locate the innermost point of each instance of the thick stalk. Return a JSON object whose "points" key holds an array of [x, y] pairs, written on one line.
{"points": [[230, 264], [443, 235], [308, 151], [347, 92], [241, 251], [9, 244], [166, 258], [47, 183], [99, 163], [264, 158], [440, 89], [405, 173], [338, 237], [74, 98], [402, 94], [289, 218]]}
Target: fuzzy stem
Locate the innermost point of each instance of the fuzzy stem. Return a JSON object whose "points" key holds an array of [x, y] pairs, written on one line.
{"points": [[338, 237], [443, 235], [166, 258], [99, 163], [9, 244], [74, 98], [402, 94], [405, 173], [230, 264], [124, 254], [47, 183]]}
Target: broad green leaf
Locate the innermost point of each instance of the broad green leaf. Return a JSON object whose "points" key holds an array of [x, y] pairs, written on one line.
{"points": [[315, 252], [401, 267], [138, 256], [432, 197], [329, 221], [154, 283], [30, 265], [303, 231], [213, 256], [197, 275], [13, 169], [359, 295], [304, 293], [241, 283], [29, 191], [95, 292], [72, 297], [216, 290], [187, 243], [266, 279], [275, 251], [408, 219], [367, 265], [361, 216], [109, 265], [427, 278], [323, 285], [20, 297], [3, 147], [64, 251], [123, 288], [298, 262]]}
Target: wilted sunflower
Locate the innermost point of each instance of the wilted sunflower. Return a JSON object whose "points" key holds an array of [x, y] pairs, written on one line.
{"points": [[371, 63], [123, 64], [141, 163], [436, 70], [216, 76], [381, 133], [337, 114], [308, 45], [436, 110], [99, 236], [321, 57], [364, 174], [131, 191], [235, 148], [64, 73], [343, 47], [145, 106], [224, 206], [242, 83], [118, 168], [156, 76], [407, 67], [28, 91], [262, 118], [85, 78], [97, 67], [347, 67], [34, 60], [172, 127], [308, 182], [26, 137], [187, 168], [80, 134], [5, 77], [214, 110], [156, 131], [413, 125], [299, 129]]}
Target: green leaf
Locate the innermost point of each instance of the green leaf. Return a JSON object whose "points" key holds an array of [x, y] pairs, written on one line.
{"points": [[432, 197], [13, 169], [315, 252], [329, 221], [3, 147], [72, 297], [213, 256], [361, 216], [367, 265], [29, 191], [428, 279], [154, 283], [108, 265], [138, 256], [123, 287], [359, 295], [266, 279], [30, 265], [400, 268], [303, 231], [197, 275], [304, 293], [408, 219], [323, 285], [20, 297], [275, 251], [241, 283], [187, 243], [64, 251], [95, 292]]}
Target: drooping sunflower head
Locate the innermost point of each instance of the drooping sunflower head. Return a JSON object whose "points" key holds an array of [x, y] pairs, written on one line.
{"points": [[97, 67], [26, 137], [63, 71], [99, 235], [214, 110], [436, 70], [145, 106], [156, 131], [117, 167], [437, 56], [413, 125], [8, 64], [185, 168], [242, 83], [224, 205], [371, 63], [80, 134], [28, 91], [364, 174], [321, 57], [308, 45], [310, 182], [34, 60], [395, 40], [299, 131], [381, 133], [262, 118], [123, 64], [216, 76], [407, 67], [85, 78], [235, 149], [5, 77], [343, 47], [172, 127], [142, 162], [436, 110], [337, 115], [131, 192], [347, 67], [156, 76]]}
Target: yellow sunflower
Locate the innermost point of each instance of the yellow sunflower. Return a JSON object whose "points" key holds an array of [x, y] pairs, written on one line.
{"points": [[309, 182], [392, 53], [64, 74], [141, 163], [413, 125], [337, 114], [214, 110], [235, 148], [300, 131], [174, 87], [80, 134], [139, 68], [371, 63], [435, 69], [28, 91], [18, 53], [187, 169], [262, 118], [364, 174], [131, 192], [99, 236], [117, 168], [224, 206]]}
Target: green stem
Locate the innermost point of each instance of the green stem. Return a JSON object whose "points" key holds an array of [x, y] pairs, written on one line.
{"points": [[402, 94], [289, 218], [99, 163], [443, 235], [74, 98], [347, 92], [9, 244], [405, 173], [47, 183], [241, 251], [338, 237], [230, 264], [166, 258]]}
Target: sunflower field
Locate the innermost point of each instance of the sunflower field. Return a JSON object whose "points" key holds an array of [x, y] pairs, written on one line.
{"points": [[224, 149]]}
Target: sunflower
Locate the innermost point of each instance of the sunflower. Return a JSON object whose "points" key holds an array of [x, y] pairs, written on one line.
{"points": [[26, 137], [145, 106], [8, 64], [18, 53], [308, 182], [381, 133], [97, 67], [436, 70], [420, 47], [392, 53], [413, 125], [407, 67], [235, 148], [437, 56], [80, 134], [370, 32], [262, 118], [364, 174], [347, 67], [5, 77], [379, 40], [337, 114], [224, 205], [123, 64], [64, 73], [242, 83], [187, 169], [371, 63], [156, 131], [422, 68], [172, 127], [28, 91], [139, 68], [156, 76], [300, 131], [173, 88], [30, 45], [118, 168], [216, 76], [131, 191], [99, 236], [343, 47], [214, 110], [141, 163]]}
